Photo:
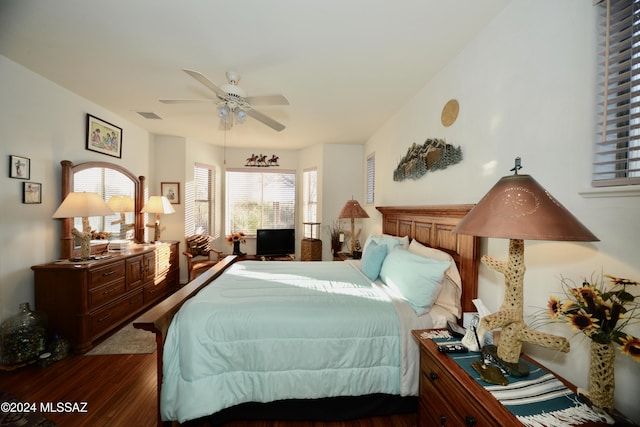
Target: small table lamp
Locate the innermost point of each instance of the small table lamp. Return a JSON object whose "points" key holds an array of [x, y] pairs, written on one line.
{"points": [[518, 208], [157, 205], [83, 205], [122, 204], [353, 210]]}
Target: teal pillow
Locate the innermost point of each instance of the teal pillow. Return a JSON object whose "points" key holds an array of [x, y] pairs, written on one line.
{"points": [[418, 279], [372, 260]]}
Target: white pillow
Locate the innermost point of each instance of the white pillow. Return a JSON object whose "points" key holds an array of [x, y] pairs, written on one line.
{"points": [[451, 293], [387, 239]]}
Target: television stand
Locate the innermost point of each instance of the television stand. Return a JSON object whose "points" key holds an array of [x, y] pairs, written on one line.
{"points": [[250, 257], [277, 258]]}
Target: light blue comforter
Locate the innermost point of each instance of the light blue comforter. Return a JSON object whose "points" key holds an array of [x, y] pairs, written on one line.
{"points": [[267, 331]]}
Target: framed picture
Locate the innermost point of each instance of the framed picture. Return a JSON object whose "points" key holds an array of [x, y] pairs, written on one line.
{"points": [[103, 137], [171, 190], [32, 192], [19, 167]]}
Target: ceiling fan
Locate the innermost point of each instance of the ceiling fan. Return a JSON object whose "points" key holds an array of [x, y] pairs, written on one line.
{"points": [[233, 102]]}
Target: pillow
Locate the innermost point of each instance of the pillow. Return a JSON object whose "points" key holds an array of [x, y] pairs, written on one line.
{"points": [[390, 241], [451, 293], [416, 278], [198, 244], [372, 259]]}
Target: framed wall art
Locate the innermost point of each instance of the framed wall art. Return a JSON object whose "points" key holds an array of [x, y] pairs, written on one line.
{"points": [[19, 167], [32, 193], [103, 137], [171, 190]]}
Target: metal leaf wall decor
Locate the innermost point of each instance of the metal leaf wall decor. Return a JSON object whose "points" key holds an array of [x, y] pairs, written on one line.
{"points": [[433, 155]]}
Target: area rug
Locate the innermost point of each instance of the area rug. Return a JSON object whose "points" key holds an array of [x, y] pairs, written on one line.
{"points": [[15, 414], [127, 340]]}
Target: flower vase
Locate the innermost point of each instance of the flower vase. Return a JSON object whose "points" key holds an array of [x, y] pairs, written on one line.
{"points": [[601, 375], [236, 248]]}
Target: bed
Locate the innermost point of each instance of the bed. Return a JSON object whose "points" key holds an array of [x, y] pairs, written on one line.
{"points": [[317, 333]]}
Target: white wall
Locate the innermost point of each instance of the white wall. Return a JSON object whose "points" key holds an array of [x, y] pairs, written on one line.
{"points": [[45, 123], [526, 87]]}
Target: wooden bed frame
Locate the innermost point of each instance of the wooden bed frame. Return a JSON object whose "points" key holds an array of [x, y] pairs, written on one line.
{"points": [[430, 225]]}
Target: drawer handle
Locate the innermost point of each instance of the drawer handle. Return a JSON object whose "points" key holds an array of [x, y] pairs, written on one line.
{"points": [[104, 318], [134, 301], [443, 420], [108, 273], [433, 376], [470, 420], [153, 290], [110, 291]]}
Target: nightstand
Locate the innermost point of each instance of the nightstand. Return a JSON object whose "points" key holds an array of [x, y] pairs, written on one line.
{"points": [[449, 396]]}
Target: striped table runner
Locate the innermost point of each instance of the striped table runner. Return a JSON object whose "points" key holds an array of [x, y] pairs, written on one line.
{"points": [[539, 399]]}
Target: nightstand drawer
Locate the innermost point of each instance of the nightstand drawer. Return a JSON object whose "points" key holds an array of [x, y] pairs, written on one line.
{"points": [[445, 397]]}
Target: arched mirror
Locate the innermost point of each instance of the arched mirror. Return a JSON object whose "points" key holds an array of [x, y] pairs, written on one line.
{"points": [[108, 180]]}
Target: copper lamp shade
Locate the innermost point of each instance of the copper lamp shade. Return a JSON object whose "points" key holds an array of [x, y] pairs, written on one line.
{"points": [[517, 207]]}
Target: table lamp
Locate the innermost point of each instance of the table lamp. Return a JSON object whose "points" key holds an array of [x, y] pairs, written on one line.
{"points": [[158, 205], [122, 204], [83, 205], [518, 208], [352, 210]]}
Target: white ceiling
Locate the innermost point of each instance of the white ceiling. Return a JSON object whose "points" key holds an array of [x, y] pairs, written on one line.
{"points": [[346, 66]]}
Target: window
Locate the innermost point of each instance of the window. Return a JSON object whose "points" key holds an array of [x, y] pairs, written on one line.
{"points": [[201, 219], [259, 199], [617, 150], [371, 178], [309, 198]]}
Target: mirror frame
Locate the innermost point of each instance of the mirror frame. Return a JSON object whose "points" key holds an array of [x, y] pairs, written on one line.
{"points": [[68, 171]]}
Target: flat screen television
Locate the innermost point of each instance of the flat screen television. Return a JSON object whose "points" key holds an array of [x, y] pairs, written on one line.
{"points": [[275, 242]]}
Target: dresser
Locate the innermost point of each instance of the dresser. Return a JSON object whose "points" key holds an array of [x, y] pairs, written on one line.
{"points": [[448, 395], [85, 300]]}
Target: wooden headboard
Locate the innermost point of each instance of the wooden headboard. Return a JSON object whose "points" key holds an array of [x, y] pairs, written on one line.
{"points": [[433, 226]]}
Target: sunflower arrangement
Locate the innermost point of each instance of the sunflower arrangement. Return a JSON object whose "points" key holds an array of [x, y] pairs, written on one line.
{"points": [[600, 311], [236, 237]]}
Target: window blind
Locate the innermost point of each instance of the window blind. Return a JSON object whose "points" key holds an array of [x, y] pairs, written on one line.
{"points": [[309, 198], [259, 199], [617, 149], [200, 219], [371, 177]]}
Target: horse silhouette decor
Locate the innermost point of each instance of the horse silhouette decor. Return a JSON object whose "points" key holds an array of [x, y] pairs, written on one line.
{"points": [[261, 161]]}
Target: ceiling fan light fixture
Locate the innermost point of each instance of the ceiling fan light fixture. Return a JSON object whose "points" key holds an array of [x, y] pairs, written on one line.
{"points": [[223, 112], [240, 116]]}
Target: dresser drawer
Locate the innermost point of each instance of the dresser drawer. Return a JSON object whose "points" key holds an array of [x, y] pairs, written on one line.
{"points": [[106, 294], [102, 275], [113, 313], [158, 289]]}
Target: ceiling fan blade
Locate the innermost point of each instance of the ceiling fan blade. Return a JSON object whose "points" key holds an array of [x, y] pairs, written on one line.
{"points": [[267, 100], [205, 81], [266, 120], [186, 101]]}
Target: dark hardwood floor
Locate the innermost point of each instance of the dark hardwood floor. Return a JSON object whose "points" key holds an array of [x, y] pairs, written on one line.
{"points": [[121, 391]]}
